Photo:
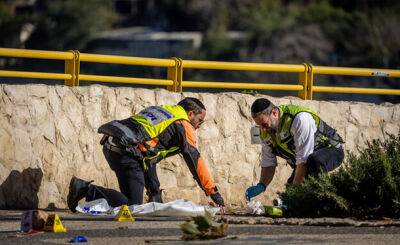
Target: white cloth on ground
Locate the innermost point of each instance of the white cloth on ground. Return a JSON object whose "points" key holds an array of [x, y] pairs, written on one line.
{"points": [[175, 208]]}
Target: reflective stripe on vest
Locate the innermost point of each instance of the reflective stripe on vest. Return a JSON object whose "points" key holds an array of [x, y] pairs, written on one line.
{"points": [[155, 119], [161, 154]]}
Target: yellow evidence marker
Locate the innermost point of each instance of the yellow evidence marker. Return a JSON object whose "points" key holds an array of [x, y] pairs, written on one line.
{"points": [[54, 224], [124, 214]]}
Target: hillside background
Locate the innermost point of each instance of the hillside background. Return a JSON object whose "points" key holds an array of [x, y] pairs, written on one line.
{"points": [[349, 33]]}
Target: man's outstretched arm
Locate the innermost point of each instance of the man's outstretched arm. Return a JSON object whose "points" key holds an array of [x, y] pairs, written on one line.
{"points": [[197, 165], [300, 173]]}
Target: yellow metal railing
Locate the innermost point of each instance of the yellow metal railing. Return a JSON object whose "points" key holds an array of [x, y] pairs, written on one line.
{"points": [[346, 71], [124, 60], [175, 72], [240, 66], [68, 57]]}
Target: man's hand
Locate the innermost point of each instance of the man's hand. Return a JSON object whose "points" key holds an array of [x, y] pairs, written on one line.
{"points": [[255, 190], [217, 198]]}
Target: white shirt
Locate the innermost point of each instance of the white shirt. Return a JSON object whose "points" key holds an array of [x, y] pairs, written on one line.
{"points": [[303, 129]]}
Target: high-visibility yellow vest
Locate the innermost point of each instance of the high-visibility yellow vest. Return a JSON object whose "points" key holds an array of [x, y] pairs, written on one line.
{"points": [[155, 119], [282, 141]]}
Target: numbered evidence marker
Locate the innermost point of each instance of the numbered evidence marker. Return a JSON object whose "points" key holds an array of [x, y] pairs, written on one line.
{"points": [[124, 214], [53, 224]]}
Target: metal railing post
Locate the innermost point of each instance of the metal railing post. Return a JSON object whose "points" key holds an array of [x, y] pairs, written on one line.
{"points": [[310, 83], [77, 62], [179, 85], [70, 69], [303, 80], [172, 74]]}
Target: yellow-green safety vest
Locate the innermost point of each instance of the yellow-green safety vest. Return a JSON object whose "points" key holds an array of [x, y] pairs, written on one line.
{"points": [[282, 141], [155, 119]]}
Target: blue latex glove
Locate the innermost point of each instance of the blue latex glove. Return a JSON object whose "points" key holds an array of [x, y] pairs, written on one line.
{"points": [[78, 239], [255, 190]]}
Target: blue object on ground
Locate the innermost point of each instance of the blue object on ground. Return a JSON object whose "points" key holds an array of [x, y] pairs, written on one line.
{"points": [[78, 239]]}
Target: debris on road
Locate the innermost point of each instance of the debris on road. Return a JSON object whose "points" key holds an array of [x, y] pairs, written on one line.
{"points": [[257, 208], [33, 220], [78, 239], [202, 228]]}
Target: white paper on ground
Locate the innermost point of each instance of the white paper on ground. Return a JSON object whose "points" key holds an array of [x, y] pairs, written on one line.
{"points": [[175, 208], [255, 207], [96, 207]]}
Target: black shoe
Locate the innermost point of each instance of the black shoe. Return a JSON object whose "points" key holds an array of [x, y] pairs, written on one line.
{"points": [[155, 197], [78, 189]]}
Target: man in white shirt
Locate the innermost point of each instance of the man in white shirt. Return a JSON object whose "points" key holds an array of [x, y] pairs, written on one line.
{"points": [[298, 135]]}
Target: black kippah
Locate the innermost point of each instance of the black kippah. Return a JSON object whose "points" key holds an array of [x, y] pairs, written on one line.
{"points": [[260, 105]]}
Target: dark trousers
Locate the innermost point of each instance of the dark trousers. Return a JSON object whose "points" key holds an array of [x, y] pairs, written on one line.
{"points": [[324, 159], [131, 179]]}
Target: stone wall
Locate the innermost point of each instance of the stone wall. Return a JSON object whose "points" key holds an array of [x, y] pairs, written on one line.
{"points": [[48, 134]]}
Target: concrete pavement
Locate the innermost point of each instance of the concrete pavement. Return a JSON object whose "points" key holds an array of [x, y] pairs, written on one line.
{"points": [[165, 230]]}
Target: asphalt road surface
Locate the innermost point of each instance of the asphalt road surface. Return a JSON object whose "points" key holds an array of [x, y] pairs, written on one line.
{"points": [[165, 230]]}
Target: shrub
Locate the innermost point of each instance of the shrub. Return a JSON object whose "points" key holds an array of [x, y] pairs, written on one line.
{"points": [[366, 186]]}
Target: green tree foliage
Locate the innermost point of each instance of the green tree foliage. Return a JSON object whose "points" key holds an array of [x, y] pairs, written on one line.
{"points": [[10, 26], [323, 32], [183, 15], [63, 25], [359, 33], [217, 44], [368, 185], [375, 40]]}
